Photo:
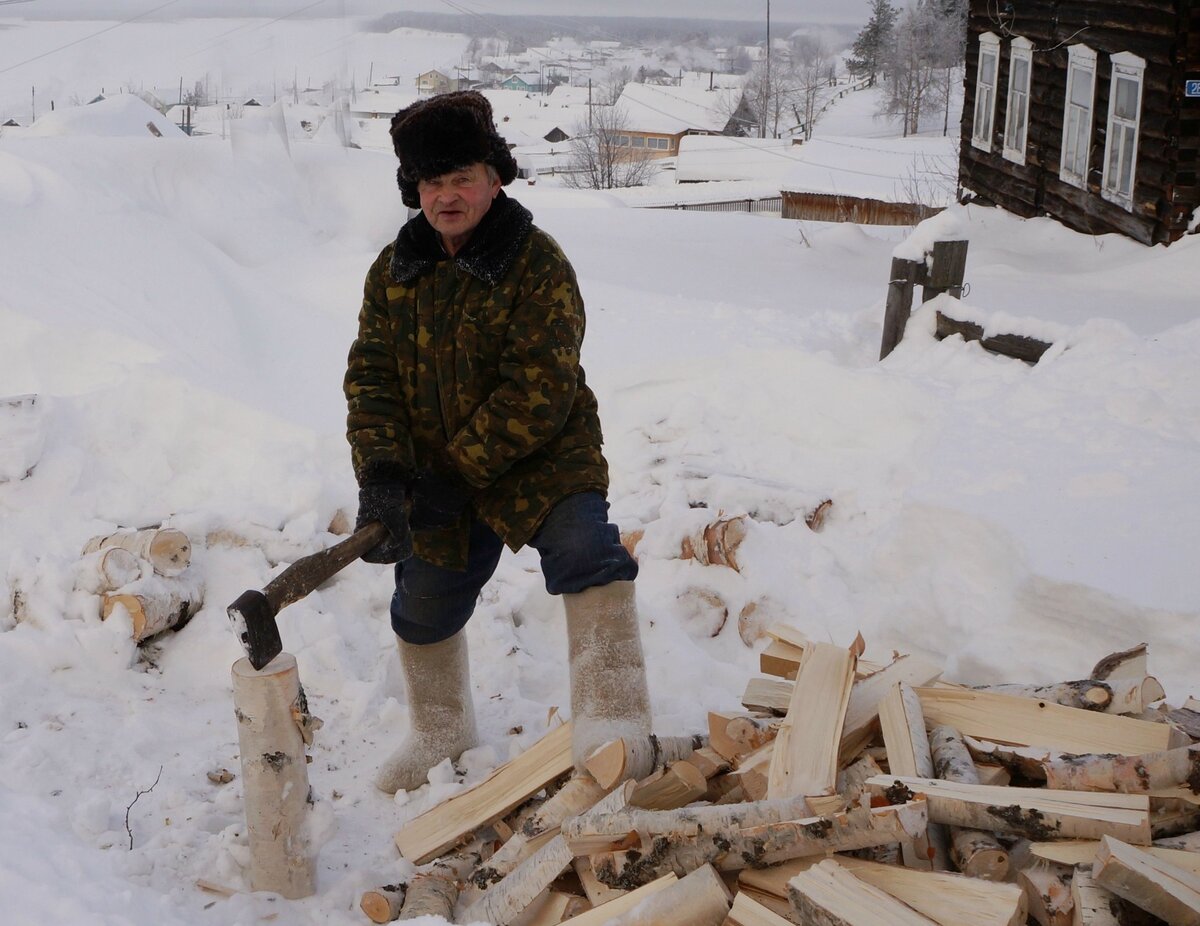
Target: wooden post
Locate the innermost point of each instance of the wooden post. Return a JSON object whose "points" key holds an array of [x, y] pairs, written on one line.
{"points": [[275, 776], [949, 265], [899, 302]]}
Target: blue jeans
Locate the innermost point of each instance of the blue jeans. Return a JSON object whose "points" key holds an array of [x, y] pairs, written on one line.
{"points": [[578, 546]]}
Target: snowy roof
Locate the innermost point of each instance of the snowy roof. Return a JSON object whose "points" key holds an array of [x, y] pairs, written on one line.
{"points": [[895, 170], [388, 100], [566, 95], [124, 115], [671, 110], [720, 157]]}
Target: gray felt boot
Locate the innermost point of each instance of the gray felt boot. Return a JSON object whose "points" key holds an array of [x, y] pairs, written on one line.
{"points": [[437, 679], [608, 674]]}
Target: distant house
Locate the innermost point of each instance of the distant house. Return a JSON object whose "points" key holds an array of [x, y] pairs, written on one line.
{"points": [[432, 82], [11, 123], [252, 102], [525, 83], [658, 117], [1091, 119]]}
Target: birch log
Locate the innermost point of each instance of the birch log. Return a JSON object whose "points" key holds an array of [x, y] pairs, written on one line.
{"points": [[974, 852], [1091, 904], [637, 757], [433, 890], [1127, 774], [107, 570], [156, 608], [678, 785], [168, 550], [1086, 694], [518, 889], [383, 904], [275, 777]]}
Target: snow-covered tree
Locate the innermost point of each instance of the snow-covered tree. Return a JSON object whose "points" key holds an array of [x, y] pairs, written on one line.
{"points": [[873, 40]]}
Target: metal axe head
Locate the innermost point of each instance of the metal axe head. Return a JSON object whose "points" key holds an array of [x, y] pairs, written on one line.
{"points": [[253, 619]]}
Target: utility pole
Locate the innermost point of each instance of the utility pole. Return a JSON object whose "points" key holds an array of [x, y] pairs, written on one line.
{"points": [[767, 86]]}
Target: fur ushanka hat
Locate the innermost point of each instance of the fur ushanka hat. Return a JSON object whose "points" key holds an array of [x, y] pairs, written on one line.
{"points": [[445, 133]]}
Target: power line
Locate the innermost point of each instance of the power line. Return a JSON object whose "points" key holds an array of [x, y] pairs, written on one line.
{"points": [[53, 51]]}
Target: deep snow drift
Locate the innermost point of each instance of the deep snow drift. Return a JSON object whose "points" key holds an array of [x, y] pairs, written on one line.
{"points": [[183, 308]]}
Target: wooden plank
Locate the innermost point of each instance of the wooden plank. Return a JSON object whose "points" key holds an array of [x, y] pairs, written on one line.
{"points": [[438, 829], [1160, 888], [1025, 722], [1035, 813], [1017, 346], [946, 898], [829, 894], [805, 760]]}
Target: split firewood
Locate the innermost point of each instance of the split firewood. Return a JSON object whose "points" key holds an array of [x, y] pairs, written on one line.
{"points": [[518, 889], [604, 915], [1130, 663], [830, 895], [714, 544], [1188, 842], [733, 735], [699, 899], [678, 785], [731, 849], [946, 898], [1047, 888], [805, 759], [442, 827], [1092, 904], [156, 604], [768, 695], [852, 780], [868, 694], [107, 570], [552, 907], [1083, 852], [992, 774], [782, 656], [1145, 774], [637, 757], [168, 550], [974, 852], [908, 753], [1086, 694], [709, 761], [1035, 813], [1186, 720], [752, 911], [1168, 892], [1028, 762], [1170, 817], [597, 893], [383, 904], [752, 773], [1026, 722]]}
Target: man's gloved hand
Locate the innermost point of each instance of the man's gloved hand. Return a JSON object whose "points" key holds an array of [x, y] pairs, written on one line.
{"points": [[385, 502], [439, 496]]}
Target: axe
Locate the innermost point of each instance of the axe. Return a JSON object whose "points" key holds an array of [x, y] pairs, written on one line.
{"points": [[253, 614]]}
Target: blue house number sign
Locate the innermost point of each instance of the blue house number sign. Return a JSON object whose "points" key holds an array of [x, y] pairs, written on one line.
{"points": [[1191, 88]]}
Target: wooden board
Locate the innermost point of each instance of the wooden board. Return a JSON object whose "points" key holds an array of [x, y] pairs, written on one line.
{"points": [[1025, 722], [433, 832]]}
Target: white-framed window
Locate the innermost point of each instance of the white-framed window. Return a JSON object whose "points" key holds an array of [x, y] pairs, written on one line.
{"points": [[985, 91], [1016, 118], [1077, 118], [1124, 121]]}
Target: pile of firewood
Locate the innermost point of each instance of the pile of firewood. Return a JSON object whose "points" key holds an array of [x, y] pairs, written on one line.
{"points": [[144, 572], [848, 792]]}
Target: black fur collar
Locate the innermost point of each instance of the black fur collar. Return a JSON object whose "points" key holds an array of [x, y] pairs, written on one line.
{"points": [[488, 255]]}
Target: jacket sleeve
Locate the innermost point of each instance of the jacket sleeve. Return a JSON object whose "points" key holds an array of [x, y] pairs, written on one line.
{"points": [[539, 374], [377, 423]]}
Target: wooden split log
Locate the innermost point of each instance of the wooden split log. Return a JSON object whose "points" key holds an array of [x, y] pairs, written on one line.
{"points": [[275, 777], [1083, 852], [716, 544], [830, 895], [442, 827], [946, 898], [805, 758], [1168, 892], [1092, 904], [678, 785], [868, 694], [155, 604], [604, 915], [518, 889], [731, 849], [1170, 817], [750, 911], [709, 762], [1035, 813], [1188, 842], [168, 550], [1085, 694], [597, 893], [1129, 663], [107, 570], [699, 899], [383, 904], [1047, 889], [734, 735], [782, 656], [1143, 774], [974, 852], [637, 757], [1027, 762], [768, 695], [903, 725]]}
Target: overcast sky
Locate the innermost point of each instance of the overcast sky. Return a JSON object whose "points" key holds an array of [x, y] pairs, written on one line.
{"points": [[797, 11]]}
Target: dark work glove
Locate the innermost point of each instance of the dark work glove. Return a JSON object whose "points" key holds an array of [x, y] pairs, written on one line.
{"points": [[439, 497], [385, 502]]}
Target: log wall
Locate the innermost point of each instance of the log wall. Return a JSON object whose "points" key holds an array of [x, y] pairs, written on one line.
{"points": [[1166, 33]]}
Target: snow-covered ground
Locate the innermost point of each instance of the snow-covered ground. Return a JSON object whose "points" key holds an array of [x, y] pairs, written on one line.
{"points": [[183, 308]]}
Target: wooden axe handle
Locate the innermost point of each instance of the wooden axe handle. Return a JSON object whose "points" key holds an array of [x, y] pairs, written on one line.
{"points": [[312, 571]]}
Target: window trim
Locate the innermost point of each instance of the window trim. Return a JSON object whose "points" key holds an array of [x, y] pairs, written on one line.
{"points": [[1021, 49], [1080, 57], [989, 44], [1129, 66]]}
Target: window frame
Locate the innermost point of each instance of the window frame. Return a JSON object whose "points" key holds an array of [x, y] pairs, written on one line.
{"points": [[989, 44], [1125, 66], [1080, 58], [1021, 49]]}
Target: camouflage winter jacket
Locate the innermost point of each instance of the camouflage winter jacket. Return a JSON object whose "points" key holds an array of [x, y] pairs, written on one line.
{"points": [[475, 359]]}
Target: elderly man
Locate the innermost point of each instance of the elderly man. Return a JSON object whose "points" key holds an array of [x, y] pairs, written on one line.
{"points": [[471, 426]]}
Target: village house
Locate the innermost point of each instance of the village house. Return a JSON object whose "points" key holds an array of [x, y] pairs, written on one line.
{"points": [[655, 118], [1086, 112], [432, 83]]}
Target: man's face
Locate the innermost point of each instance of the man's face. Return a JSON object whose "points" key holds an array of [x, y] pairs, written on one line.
{"points": [[454, 203]]}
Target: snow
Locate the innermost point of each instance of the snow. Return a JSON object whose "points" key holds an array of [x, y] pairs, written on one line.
{"points": [[919, 168], [666, 109], [183, 307]]}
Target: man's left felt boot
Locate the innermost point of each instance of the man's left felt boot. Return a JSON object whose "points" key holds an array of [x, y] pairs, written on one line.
{"points": [[609, 699]]}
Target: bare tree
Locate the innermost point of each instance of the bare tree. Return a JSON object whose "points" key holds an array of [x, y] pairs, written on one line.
{"points": [[767, 96], [921, 61], [603, 158], [810, 76], [610, 90]]}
